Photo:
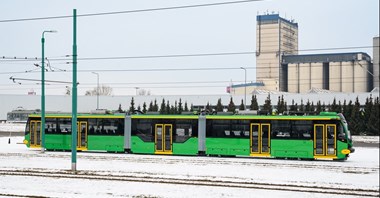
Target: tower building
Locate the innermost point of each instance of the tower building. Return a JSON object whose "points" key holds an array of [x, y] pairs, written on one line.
{"points": [[275, 36]]}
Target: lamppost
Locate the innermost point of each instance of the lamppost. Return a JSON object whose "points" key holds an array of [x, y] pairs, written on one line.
{"points": [[245, 87], [43, 90], [97, 90]]}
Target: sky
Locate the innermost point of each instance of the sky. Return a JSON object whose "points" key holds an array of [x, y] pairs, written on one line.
{"points": [[210, 44]]}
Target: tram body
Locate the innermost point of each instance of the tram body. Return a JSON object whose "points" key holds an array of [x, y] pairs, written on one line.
{"points": [[324, 136]]}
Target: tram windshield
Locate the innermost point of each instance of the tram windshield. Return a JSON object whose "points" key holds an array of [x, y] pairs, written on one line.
{"points": [[345, 126]]}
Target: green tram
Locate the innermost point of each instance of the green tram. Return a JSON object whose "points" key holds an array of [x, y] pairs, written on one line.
{"points": [[323, 136]]}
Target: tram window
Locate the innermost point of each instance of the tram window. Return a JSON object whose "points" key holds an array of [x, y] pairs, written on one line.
{"points": [[27, 126], [220, 128], [51, 126], [64, 125], [183, 132], [295, 129], [302, 129], [143, 129], [228, 128], [104, 126], [340, 132], [240, 128], [92, 126], [281, 129]]}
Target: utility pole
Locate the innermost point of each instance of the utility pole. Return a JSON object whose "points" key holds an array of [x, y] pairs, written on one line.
{"points": [[74, 98], [245, 87], [43, 90]]}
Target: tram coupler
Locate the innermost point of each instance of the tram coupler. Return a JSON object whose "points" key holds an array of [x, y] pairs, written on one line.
{"points": [[201, 153]]}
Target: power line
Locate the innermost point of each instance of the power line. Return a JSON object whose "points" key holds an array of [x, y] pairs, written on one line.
{"points": [[259, 70], [16, 59], [129, 11]]}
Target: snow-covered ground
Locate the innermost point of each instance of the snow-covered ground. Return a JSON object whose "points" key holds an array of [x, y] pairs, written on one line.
{"points": [[12, 127], [28, 172]]}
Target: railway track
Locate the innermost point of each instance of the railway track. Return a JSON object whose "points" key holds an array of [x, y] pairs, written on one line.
{"points": [[195, 181], [334, 166]]}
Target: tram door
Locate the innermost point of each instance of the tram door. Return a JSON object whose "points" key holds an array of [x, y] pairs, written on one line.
{"points": [[260, 139], [325, 140], [163, 139], [35, 133], [82, 135]]}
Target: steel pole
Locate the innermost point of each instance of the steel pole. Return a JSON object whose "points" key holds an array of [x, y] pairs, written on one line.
{"points": [[74, 99], [43, 94], [43, 90], [245, 87]]}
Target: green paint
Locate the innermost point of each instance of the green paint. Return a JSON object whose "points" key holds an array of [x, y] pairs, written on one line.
{"points": [[190, 147], [230, 146], [139, 146], [105, 143], [292, 148]]}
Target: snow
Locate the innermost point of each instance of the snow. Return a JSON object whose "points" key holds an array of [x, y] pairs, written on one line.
{"points": [[361, 170], [366, 139], [12, 127]]}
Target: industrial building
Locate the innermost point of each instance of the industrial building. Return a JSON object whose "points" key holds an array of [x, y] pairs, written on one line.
{"points": [[275, 36], [343, 72], [281, 69], [376, 61]]}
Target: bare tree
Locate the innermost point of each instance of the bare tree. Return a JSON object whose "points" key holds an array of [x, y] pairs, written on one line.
{"points": [[143, 92], [103, 91], [68, 91]]}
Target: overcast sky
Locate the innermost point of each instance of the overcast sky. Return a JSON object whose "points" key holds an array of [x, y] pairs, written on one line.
{"points": [[219, 29]]}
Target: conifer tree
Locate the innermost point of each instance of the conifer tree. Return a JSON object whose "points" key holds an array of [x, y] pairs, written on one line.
{"points": [[281, 106], [334, 106], [312, 107], [231, 106], [293, 107], [155, 106], [186, 108], [355, 118], [219, 105], [144, 108], [308, 106], [267, 105], [132, 107], [374, 118], [167, 108], [175, 110], [180, 108], [163, 107], [344, 108], [339, 107], [150, 108], [207, 108], [319, 107], [254, 104], [302, 106], [242, 106], [368, 107], [120, 110]]}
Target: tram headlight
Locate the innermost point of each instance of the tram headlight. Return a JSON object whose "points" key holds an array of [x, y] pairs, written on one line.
{"points": [[345, 151], [25, 141]]}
